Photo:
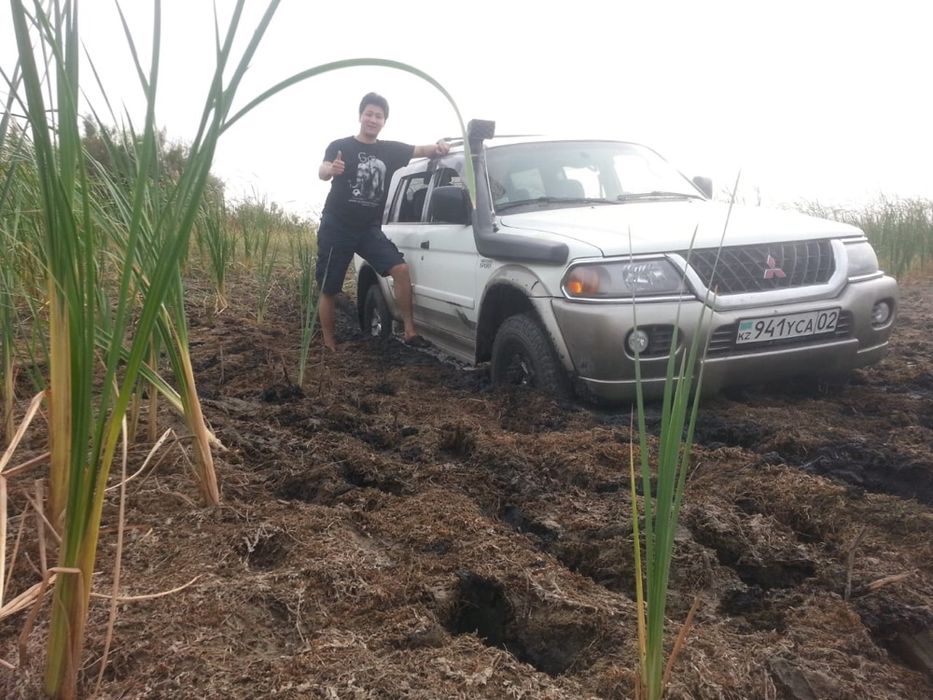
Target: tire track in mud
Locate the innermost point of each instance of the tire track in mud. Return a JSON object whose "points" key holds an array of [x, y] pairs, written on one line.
{"points": [[773, 573], [877, 453], [769, 566], [775, 565], [770, 561], [872, 436], [544, 634]]}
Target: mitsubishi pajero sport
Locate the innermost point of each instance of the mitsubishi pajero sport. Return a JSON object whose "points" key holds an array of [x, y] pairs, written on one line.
{"points": [[567, 236]]}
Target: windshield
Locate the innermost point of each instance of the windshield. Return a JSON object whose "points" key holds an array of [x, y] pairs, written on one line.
{"points": [[569, 173]]}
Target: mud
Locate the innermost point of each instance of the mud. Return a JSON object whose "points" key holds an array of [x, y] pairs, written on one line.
{"points": [[395, 528]]}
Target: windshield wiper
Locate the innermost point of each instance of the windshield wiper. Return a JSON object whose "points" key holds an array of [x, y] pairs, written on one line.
{"points": [[656, 194], [555, 200]]}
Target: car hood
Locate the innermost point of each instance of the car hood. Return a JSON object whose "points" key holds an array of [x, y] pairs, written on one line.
{"points": [[662, 226]]}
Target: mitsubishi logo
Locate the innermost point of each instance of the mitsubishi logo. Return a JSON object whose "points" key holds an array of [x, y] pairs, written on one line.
{"points": [[773, 271]]}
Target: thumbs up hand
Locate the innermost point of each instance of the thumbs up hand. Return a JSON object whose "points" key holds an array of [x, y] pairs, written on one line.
{"points": [[337, 165]]}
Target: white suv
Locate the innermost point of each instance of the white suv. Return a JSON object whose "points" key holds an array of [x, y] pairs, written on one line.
{"points": [[570, 237]]}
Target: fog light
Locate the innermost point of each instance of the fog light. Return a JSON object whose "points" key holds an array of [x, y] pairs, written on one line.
{"points": [[637, 341], [880, 313]]}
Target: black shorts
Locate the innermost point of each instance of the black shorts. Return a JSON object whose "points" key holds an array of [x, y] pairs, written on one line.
{"points": [[336, 245]]}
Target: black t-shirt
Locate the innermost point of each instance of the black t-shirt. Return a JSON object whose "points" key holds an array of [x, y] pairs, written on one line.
{"points": [[358, 197]]}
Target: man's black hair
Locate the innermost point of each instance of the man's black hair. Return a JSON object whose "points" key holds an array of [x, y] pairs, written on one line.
{"points": [[376, 100]]}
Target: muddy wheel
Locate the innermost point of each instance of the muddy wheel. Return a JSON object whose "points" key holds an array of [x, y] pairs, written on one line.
{"points": [[522, 355], [377, 321]]}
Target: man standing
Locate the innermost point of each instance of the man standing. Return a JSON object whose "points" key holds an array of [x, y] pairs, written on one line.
{"points": [[361, 167]]}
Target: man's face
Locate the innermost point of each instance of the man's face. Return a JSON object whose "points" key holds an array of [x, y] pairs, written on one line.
{"points": [[372, 120]]}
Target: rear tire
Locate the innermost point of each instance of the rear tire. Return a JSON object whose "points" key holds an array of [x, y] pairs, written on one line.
{"points": [[522, 355], [377, 320]]}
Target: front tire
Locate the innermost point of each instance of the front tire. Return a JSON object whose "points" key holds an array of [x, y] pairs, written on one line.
{"points": [[377, 320], [522, 355]]}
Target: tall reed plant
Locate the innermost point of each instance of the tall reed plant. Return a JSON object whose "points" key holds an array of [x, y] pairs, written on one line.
{"points": [[900, 230], [661, 504], [218, 244], [10, 216], [7, 353], [12, 259], [86, 423], [266, 254], [149, 217], [305, 255], [68, 252], [113, 270], [662, 496]]}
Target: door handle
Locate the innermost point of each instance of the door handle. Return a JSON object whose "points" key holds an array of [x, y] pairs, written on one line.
{"points": [[425, 244]]}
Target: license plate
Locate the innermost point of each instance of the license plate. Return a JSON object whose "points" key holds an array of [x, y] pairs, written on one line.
{"points": [[760, 330]]}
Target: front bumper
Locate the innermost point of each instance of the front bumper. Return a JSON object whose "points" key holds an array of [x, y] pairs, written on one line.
{"points": [[594, 335]]}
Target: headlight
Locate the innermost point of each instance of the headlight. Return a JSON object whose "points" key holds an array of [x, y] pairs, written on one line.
{"points": [[615, 280], [862, 259]]}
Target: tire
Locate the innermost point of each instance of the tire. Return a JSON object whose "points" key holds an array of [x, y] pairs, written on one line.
{"points": [[377, 320], [522, 355]]}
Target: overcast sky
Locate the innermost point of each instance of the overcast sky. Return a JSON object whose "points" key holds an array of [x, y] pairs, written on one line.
{"points": [[821, 99]]}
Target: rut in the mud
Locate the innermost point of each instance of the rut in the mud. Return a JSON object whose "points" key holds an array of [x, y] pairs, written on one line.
{"points": [[395, 527]]}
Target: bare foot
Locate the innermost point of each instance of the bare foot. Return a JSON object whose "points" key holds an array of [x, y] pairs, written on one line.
{"points": [[416, 341]]}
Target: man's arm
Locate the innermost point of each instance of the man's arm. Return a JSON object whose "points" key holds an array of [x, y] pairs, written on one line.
{"points": [[432, 150], [330, 168]]}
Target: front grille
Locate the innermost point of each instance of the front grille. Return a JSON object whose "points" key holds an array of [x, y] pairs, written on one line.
{"points": [[722, 341], [764, 267]]}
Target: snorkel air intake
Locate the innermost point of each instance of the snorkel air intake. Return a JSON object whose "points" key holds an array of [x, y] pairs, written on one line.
{"points": [[489, 242]]}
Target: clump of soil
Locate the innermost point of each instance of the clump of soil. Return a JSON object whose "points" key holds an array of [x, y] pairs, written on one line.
{"points": [[396, 528]]}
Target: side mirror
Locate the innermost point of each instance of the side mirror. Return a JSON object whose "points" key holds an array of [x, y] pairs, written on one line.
{"points": [[705, 184], [450, 205]]}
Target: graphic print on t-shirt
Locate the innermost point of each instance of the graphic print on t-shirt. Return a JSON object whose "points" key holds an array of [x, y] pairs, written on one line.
{"points": [[370, 178], [357, 198]]}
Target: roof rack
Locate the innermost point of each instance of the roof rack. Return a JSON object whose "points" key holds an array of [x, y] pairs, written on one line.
{"points": [[458, 140]]}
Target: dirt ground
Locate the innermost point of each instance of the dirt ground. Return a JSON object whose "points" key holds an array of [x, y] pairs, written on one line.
{"points": [[399, 530]]}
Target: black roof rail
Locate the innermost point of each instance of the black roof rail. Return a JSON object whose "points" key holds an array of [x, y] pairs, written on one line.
{"points": [[458, 140]]}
